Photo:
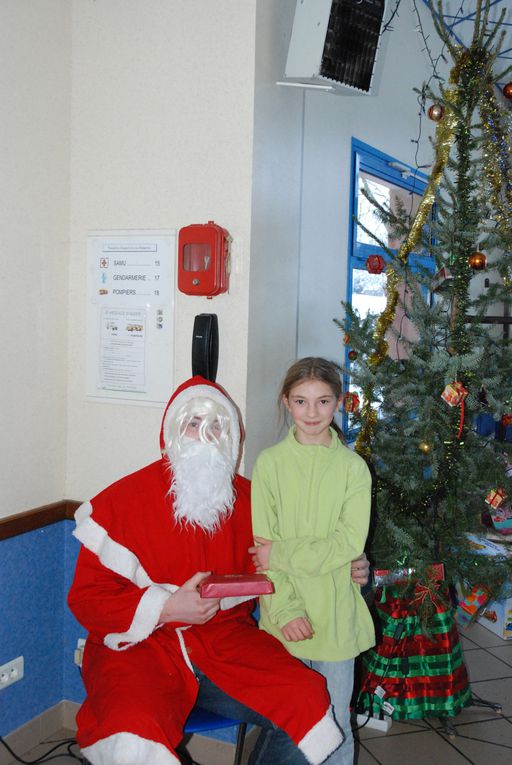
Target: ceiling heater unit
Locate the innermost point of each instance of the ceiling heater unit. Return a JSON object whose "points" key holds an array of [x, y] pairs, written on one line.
{"points": [[334, 44]]}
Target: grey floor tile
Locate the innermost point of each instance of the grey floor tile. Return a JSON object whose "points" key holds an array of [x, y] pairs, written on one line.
{"points": [[44, 747], [503, 652], [486, 742], [363, 757], [480, 635], [499, 691], [420, 748], [482, 665]]}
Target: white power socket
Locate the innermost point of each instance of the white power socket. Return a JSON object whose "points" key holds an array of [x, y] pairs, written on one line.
{"points": [[374, 722], [11, 672], [78, 653]]}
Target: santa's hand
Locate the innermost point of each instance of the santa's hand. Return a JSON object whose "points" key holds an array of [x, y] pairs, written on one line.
{"points": [[360, 570], [298, 629], [261, 554], [186, 606]]}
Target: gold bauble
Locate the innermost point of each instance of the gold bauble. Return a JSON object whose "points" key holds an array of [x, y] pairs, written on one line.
{"points": [[477, 261], [424, 447]]}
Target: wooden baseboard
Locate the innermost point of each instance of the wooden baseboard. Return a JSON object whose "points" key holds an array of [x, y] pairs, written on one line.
{"points": [[37, 518]]}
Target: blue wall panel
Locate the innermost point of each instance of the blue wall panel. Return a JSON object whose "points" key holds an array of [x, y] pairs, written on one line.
{"points": [[31, 622]]}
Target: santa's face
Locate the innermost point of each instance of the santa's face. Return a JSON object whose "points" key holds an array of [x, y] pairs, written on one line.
{"points": [[202, 470], [193, 430]]}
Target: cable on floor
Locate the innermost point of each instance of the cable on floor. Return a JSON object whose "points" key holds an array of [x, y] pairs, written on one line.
{"points": [[68, 742]]}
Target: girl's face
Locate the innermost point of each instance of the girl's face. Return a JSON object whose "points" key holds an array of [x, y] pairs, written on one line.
{"points": [[312, 405]]}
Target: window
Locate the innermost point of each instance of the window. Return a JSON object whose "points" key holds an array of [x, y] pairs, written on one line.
{"points": [[395, 186]]}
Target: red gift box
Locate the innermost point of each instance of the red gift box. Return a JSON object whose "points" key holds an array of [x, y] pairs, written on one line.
{"points": [[228, 585], [454, 393]]}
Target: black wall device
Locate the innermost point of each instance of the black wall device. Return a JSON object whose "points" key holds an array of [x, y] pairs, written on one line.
{"points": [[205, 346]]}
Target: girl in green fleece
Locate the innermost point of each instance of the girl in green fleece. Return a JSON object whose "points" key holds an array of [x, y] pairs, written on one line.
{"points": [[311, 511]]}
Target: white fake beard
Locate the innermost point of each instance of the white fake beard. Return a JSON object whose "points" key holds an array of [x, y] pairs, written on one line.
{"points": [[202, 484]]}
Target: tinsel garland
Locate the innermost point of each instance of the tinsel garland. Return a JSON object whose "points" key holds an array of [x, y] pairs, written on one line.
{"points": [[497, 168], [445, 133]]}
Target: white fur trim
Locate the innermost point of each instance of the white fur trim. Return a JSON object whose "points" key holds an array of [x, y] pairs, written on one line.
{"points": [[122, 561], [207, 391], [321, 740], [231, 602], [183, 647], [113, 555], [128, 749], [145, 619]]}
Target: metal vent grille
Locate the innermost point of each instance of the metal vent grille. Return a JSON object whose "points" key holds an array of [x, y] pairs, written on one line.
{"points": [[351, 42]]}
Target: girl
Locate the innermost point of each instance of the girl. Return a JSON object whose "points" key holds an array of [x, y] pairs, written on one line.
{"points": [[311, 511]]}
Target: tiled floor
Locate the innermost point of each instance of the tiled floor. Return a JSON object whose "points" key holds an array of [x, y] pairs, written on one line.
{"points": [[483, 737]]}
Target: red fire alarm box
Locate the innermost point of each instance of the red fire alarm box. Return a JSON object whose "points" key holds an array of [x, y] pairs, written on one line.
{"points": [[203, 259]]}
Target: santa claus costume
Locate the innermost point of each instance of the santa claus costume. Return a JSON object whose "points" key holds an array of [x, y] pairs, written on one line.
{"points": [[139, 673]]}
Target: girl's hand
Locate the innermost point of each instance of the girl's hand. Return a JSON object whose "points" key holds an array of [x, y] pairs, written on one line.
{"points": [[360, 570], [298, 629], [261, 554]]}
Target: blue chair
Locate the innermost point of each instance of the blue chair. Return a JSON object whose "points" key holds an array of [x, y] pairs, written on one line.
{"points": [[201, 720]]}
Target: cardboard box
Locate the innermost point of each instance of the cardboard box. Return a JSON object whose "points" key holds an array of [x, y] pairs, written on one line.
{"points": [[497, 616], [234, 585]]}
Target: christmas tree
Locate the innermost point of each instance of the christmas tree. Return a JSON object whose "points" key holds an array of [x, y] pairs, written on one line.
{"points": [[420, 421]]}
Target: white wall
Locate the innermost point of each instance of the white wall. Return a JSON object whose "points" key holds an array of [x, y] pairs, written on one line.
{"points": [[275, 225], [34, 161], [386, 119], [162, 120]]}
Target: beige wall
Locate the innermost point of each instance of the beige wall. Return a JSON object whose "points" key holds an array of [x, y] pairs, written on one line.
{"points": [[162, 112], [34, 161]]}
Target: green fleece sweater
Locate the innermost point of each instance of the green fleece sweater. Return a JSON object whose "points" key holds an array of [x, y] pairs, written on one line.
{"points": [[313, 502]]}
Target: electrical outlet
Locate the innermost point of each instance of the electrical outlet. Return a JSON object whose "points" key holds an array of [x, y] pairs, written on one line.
{"points": [[11, 672], [78, 653]]}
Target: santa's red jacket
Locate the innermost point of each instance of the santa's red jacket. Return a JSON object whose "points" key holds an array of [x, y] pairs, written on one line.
{"points": [[138, 673]]}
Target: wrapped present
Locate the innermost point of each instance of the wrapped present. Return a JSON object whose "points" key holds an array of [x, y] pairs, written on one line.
{"points": [[454, 393], [229, 585], [442, 279], [419, 675], [495, 497], [502, 518]]}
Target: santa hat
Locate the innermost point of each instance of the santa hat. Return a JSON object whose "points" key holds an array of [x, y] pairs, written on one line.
{"points": [[199, 387]]}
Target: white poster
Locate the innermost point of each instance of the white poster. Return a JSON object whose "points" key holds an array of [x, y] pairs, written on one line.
{"points": [[131, 316]]}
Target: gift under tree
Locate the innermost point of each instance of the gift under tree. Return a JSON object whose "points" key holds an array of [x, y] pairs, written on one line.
{"points": [[419, 414]]}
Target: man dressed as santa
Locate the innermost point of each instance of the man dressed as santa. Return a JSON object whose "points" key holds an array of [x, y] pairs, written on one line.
{"points": [[154, 644]]}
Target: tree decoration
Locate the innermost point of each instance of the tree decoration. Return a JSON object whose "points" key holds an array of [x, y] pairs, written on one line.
{"points": [[506, 420], [352, 355], [430, 482], [351, 402], [441, 279], [346, 338], [454, 393], [495, 497], [477, 261], [375, 264], [436, 112], [507, 90]]}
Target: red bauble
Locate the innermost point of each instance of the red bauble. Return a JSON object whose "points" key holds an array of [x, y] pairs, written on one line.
{"points": [[506, 420], [436, 112], [507, 90], [477, 261], [352, 355], [375, 264]]}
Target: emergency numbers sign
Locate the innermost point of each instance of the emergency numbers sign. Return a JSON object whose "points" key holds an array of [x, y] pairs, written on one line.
{"points": [[130, 342]]}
